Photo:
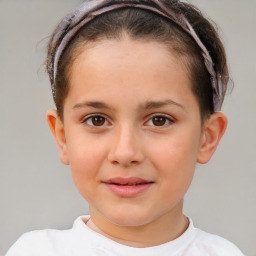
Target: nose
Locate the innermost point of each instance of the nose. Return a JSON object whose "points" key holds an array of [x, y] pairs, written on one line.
{"points": [[126, 148]]}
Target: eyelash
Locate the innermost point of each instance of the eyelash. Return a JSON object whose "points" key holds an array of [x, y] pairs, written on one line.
{"points": [[87, 118], [167, 118]]}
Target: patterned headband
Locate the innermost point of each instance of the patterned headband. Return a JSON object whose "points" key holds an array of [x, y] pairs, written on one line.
{"points": [[91, 9]]}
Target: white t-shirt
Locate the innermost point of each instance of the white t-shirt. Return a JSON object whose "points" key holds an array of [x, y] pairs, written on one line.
{"points": [[82, 241]]}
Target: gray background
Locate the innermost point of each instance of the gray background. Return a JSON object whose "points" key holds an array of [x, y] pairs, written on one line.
{"points": [[36, 190]]}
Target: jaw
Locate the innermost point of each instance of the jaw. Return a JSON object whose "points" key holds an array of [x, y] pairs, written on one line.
{"points": [[154, 232]]}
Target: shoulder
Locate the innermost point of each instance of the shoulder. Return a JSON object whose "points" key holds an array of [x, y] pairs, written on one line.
{"points": [[49, 242], [215, 245], [27, 243], [40, 242]]}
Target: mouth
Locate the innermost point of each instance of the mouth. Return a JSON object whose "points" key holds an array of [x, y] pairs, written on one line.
{"points": [[128, 187]]}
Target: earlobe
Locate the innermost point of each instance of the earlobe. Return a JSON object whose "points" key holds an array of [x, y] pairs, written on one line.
{"points": [[57, 129], [214, 129]]}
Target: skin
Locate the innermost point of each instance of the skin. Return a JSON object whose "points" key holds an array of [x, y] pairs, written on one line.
{"points": [[124, 76]]}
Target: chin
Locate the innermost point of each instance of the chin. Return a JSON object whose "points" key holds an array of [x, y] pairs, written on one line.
{"points": [[130, 218]]}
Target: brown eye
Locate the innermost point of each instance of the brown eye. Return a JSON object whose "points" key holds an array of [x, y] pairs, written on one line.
{"points": [[96, 121], [159, 120]]}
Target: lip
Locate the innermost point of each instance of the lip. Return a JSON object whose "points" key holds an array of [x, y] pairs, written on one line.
{"points": [[128, 187]]}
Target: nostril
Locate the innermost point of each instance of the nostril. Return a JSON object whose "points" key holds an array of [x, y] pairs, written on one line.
{"points": [[125, 163], [115, 162], [125, 157]]}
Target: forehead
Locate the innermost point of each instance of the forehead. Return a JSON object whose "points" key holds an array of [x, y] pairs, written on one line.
{"points": [[120, 67], [129, 51]]}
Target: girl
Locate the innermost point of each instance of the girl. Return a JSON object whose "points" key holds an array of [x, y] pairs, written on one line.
{"points": [[138, 87]]}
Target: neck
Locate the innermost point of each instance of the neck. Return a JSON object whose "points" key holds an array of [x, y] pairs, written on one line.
{"points": [[158, 232]]}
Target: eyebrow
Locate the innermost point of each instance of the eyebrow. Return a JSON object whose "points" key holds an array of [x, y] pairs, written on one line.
{"points": [[158, 104], [93, 104], [147, 105]]}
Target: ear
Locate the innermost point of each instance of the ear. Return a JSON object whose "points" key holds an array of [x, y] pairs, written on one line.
{"points": [[57, 129], [214, 129]]}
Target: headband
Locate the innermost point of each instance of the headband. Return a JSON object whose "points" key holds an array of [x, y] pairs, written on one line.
{"points": [[91, 9]]}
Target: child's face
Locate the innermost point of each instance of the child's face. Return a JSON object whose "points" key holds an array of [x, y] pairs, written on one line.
{"points": [[131, 117]]}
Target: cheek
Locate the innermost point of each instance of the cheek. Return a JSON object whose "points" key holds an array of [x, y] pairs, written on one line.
{"points": [[86, 158], [175, 160]]}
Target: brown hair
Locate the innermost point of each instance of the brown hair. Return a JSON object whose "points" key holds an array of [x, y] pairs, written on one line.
{"points": [[142, 24]]}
